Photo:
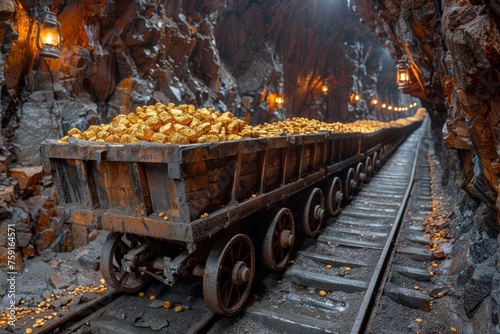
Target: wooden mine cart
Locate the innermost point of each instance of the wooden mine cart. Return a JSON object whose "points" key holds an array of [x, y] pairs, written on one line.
{"points": [[202, 209]]}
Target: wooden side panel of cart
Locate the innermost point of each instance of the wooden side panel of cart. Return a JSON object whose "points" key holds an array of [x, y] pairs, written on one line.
{"points": [[179, 193]]}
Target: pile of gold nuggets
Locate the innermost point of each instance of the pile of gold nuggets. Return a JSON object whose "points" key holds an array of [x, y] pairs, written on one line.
{"points": [[184, 124]]}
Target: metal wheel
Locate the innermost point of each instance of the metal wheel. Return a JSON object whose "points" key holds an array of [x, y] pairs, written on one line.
{"points": [[114, 249], [360, 175], [368, 168], [313, 212], [334, 196], [279, 240], [229, 274], [350, 185], [382, 154], [376, 162]]}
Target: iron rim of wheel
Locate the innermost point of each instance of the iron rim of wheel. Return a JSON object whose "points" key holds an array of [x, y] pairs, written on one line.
{"points": [[334, 196], [279, 240], [114, 249], [360, 175], [350, 184], [376, 162], [313, 212], [368, 168], [229, 274]]}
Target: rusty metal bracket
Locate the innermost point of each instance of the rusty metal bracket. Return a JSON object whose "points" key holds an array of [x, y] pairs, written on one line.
{"points": [[171, 270], [136, 256]]}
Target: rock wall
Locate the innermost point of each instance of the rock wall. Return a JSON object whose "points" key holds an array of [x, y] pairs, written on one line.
{"points": [[453, 48], [304, 47]]}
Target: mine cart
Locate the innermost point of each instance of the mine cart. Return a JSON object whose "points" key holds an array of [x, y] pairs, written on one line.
{"points": [[213, 210], [167, 206]]}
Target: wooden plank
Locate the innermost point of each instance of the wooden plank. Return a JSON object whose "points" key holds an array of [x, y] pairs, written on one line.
{"points": [[300, 159], [284, 165], [89, 199], [59, 178], [197, 182], [272, 175], [249, 163], [323, 154], [141, 190], [262, 171], [236, 179], [314, 155], [162, 190], [194, 168]]}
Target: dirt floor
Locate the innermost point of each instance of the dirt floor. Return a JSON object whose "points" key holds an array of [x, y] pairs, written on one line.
{"points": [[52, 284]]}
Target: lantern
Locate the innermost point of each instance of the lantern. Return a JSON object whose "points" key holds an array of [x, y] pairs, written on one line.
{"points": [[324, 88], [354, 98], [373, 103], [402, 72], [48, 39], [279, 100]]}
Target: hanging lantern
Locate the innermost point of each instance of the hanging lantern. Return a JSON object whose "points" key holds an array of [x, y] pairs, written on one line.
{"points": [[279, 100], [324, 88], [384, 105], [402, 72], [354, 98], [373, 103], [48, 39]]}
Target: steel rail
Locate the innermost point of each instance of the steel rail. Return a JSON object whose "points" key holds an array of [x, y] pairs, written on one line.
{"points": [[380, 268]]}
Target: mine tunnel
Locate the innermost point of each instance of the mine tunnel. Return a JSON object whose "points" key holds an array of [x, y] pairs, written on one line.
{"points": [[246, 166]]}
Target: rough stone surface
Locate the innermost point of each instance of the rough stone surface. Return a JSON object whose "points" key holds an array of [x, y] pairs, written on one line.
{"points": [[482, 247], [453, 49], [480, 285]]}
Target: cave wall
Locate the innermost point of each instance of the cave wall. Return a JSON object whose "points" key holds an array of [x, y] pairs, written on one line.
{"points": [[312, 43], [453, 48]]}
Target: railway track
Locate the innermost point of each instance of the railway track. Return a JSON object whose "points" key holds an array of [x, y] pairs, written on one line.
{"points": [[330, 286], [347, 261]]}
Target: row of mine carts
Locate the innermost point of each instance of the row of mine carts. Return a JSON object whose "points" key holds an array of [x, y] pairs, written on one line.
{"points": [[217, 211]]}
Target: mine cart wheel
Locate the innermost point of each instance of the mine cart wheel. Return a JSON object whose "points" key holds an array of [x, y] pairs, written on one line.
{"points": [[376, 162], [368, 168], [360, 175], [334, 196], [382, 154], [279, 240], [229, 274], [114, 249], [350, 184], [313, 211]]}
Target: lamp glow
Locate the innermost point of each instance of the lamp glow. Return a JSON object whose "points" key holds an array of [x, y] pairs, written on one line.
{"points": [[324, 88], [402, 72], [354, 98], [279, 99], [48, 39]]}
